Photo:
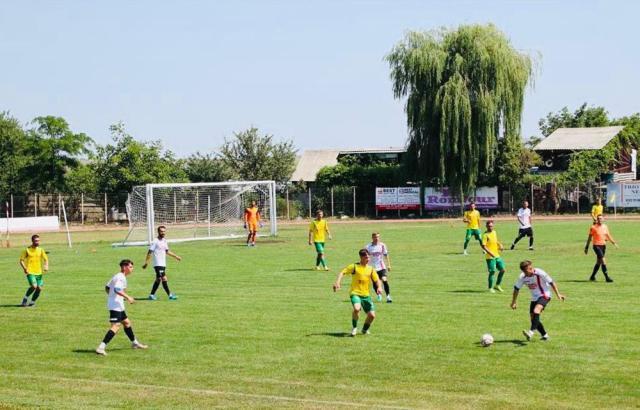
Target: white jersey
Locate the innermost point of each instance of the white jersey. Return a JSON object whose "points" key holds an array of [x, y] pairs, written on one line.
{"points": [[524, 218], [377, 254], [114, 301], [159, 247], [539, 284]]}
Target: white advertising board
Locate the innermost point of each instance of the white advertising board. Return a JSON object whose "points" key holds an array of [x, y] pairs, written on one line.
{"points": [[30, 224]]}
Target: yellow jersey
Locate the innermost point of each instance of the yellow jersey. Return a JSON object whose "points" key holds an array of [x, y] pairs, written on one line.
{"points": [[473, 219], [33, 258], [596, 210], [361, 277], [319, 229], [490, 241]]}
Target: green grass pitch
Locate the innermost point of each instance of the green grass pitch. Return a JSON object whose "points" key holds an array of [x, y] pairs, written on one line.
{"points": [[256, 327]]}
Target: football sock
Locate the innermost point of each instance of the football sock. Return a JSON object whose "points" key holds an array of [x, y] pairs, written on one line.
{"points": [[129, 332], [541, 328], [531, 242], [500, 275], [366, 327], [535, 321], [466, 242], [386, 287], [604, 270], [595, 270], [491, 274], [323, 261], [354, 322], [29, 292], [154, 288], [165, 286], [318, 259], [518, 239], [35, 296], [108, 337]]}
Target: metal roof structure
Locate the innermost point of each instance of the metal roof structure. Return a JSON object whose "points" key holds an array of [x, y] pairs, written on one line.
{"points": [[311, 161], [578, 139]]}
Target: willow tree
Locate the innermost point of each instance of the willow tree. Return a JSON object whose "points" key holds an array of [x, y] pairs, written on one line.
{"points": [[464, 90]]}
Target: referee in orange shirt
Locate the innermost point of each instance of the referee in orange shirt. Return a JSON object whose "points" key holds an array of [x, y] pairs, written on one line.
{"points": [[599, 233]]}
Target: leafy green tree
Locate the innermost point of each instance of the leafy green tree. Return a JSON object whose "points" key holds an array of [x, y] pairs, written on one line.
{"points": [[82, 179], [462, 87], [13, 156], [127, 162], [514, 163], [257, 157], [584, 116], [54, 150], [207, 168]]}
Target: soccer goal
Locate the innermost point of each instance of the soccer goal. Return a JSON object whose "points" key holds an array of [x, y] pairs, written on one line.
{"points": [[197, 211]]}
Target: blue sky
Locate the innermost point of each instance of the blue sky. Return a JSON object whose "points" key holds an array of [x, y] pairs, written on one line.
{"points": [[190, 73]]}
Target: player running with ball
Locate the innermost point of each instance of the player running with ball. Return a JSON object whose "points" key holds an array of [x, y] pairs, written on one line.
{"points": [[361, 275], [538, 282]]}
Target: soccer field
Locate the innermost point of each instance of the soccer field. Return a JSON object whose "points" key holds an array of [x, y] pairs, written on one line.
{"points": [[256, 327]]}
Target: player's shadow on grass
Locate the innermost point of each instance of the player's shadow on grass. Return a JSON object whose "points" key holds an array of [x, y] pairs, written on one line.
{"points": [[332, 334], [576, 281], [10, 306], [298, 270], [467, 291], [516, 342], [93, 351]]}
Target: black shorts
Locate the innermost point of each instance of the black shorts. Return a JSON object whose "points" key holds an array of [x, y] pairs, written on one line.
{"points": [[541, 301], [600, 250], [382, 273], [160, 271], [526, 232], [116, 316]]}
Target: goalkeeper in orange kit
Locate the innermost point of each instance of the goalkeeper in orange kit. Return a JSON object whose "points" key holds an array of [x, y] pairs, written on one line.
{"points": [[251, 222]]}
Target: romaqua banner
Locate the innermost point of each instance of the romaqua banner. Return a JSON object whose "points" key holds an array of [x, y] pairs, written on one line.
{"points": [[437, 199]]}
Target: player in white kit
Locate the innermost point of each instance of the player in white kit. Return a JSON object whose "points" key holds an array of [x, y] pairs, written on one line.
{"points": [[540, 285], [115, 288], [524, 225], [378, 252], [159, 249]]}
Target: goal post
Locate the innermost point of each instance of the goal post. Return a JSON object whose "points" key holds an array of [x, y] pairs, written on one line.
{"points": [[197, 211]]}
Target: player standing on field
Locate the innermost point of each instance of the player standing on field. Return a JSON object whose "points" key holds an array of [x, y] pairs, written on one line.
{"points": [[472, 219], [538, 282], [361, 275], [115, 288], [378, 252], [597, 209], [492, 248], [34, 263], [251, 222], [317, 230], [159, 249], [524, 228], [599, 233]]}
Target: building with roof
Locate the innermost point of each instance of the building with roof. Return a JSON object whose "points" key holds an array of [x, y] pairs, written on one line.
{"points": [[557, 148], [312, 161]]}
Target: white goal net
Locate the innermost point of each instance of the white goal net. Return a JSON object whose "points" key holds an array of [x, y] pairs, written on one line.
{"points": [[197, 211]]}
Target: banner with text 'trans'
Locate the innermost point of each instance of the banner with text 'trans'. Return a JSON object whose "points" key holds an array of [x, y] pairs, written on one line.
{"points": [[397, 198], [438, 199]]}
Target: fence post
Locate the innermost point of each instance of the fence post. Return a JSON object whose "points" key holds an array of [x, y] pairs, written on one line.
{"points": [[82, 208], [175, 208], [310, 216], [578, 198], [35, 207], [287, 193], [11, 205], [354, 201], [332, 213], [532, 199], [59, 207], [106, 214]]}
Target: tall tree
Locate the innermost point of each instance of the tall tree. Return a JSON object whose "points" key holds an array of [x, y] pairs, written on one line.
{"points": [[54, 150], [127, 162], [13, 157], [584, 116], [257, 157], [463, 88], [207, 168]]}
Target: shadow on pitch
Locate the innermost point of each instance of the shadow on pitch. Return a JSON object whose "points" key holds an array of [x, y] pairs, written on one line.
{"points": [[516, 342], [93, 351], [10, 306], [300, 270], [331, 334], [467, 291], [577, 281]]}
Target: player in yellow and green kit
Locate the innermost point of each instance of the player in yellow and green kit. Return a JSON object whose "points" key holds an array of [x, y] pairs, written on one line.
{"points": [[492, 246], [472, 219], [361, 275], [318, 231], [34, 263], [597, 209]]}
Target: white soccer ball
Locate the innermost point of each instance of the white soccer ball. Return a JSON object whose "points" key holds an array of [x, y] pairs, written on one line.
{"points": [[486, 340]]}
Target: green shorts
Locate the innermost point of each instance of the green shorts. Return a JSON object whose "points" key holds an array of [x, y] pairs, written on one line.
{"points": [[473, 232], [35, 280], [495, 263], [319, 247], [365, 301]]}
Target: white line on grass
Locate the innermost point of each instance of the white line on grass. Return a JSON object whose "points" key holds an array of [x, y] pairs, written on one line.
{"points": [[204, 391]]}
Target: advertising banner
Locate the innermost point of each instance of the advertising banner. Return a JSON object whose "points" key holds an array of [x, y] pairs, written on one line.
{"points": [[438, 199], [623, 195], [409, 198], [397, 198]]}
